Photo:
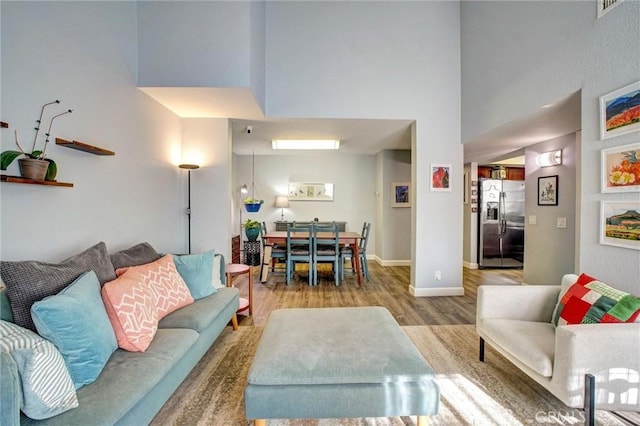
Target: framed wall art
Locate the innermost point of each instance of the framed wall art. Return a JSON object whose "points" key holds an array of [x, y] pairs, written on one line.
{"points": [[620, 111], [401, 194], [548, 190], [440, 177], [620, 224], [465, 182], [620, 168], [310, 191]]}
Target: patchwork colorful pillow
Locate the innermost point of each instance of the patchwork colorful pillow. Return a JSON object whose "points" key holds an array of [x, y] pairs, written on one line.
{"points": [[47, 388], [589, 301]]}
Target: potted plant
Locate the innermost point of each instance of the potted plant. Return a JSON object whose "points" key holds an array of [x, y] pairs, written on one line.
{"points": [[251, 229], [35, 165], [252, 205]]}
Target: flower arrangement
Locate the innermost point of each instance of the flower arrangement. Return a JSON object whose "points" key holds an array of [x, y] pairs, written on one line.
{"points": [[628, 171], [7, 157]]}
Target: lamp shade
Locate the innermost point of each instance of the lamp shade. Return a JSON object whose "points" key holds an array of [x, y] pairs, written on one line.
{"points": [[551, 158], [282, 201]]}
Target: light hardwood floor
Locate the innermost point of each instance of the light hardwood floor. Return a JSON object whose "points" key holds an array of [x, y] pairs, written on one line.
{"points": [[388, 287]]}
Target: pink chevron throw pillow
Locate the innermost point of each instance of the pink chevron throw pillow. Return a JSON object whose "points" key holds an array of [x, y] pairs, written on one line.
{"points": [[131, 309], [142, 296]]}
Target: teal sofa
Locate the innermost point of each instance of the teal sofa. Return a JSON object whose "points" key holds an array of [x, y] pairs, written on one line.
{"points": [[134, 386]]}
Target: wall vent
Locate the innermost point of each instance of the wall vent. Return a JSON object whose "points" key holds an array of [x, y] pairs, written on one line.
{"points": [[606, 5]]}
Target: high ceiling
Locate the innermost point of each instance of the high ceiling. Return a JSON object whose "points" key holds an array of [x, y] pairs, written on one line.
{"points": [[357, 136]]}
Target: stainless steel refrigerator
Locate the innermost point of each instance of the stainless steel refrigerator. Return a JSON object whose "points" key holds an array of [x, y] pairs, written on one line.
{"points": [[501, 223]]}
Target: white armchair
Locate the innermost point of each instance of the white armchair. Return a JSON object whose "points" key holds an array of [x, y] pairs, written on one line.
{"points": [[517, 322]]}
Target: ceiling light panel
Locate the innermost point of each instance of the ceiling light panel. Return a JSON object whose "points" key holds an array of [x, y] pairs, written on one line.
{"points": [[305, 144]]}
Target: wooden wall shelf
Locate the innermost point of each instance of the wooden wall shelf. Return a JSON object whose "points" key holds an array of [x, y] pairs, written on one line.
{"points": [[80, 146], [16, 179]]}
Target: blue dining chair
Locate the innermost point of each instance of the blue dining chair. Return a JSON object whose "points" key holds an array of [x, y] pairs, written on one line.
{"points": [[278, 252], [347, 253], [299, 249], [326, 249]]}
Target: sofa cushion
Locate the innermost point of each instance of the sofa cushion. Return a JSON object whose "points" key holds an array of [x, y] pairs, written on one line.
{"points": [[589, 301], [5, 307], [161, 276], [127, 380], [76, 322], [29, 281], [218, 276], [197, 271], [133, 256], [131, 308], [198, 315], [47, 388], [531, 343]]}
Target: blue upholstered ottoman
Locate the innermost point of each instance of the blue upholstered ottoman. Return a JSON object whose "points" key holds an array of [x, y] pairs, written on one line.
{"points": [[338, 363]]}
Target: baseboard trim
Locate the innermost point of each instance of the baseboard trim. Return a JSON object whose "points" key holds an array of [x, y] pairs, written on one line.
{"points": [[436, 291], [392, 262], [469, 265]]}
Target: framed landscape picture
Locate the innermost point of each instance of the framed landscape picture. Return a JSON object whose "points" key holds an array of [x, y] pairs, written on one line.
{"points": [[401, 193], [548, 191], [440, 177], [620, 111], [620, 224], [621, 168]]}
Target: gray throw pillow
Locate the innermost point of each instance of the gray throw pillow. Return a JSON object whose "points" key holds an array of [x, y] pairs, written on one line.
{"points": [[133, 256], [30, 281]]}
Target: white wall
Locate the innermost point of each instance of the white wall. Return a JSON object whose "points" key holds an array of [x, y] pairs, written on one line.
{"points": [[353, 177], [85, 55], [519, 56], [206, 141], [549, 251], [394, 246], [192, 43], [382, 60]]}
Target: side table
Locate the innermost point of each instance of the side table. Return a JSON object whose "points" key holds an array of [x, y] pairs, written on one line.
{"points": [[236, 269]]}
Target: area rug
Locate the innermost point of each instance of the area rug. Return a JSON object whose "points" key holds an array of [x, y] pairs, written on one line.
{"points": [[472, 393]]}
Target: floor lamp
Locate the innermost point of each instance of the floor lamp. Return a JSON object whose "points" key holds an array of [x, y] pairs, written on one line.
{"points": [[189, 167]]}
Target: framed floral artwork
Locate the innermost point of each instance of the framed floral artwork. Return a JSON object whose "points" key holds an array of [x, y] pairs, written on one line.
{"points": [[440, 177], [621, 168], [620, 224], [548, 190], [620, 111], [401, 193]]}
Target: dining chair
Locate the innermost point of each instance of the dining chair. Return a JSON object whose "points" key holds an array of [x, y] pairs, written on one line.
{"points": [[326, 249], [299, 249], [278, 252], [347, 253]]}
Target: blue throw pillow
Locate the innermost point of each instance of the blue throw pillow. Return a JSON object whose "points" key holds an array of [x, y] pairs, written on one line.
{"points": [[76, 322], [197, 271]]}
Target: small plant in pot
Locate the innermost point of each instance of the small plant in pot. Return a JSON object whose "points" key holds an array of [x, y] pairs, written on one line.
{"points": [[251, 229], [252, 205], [35, 164]]}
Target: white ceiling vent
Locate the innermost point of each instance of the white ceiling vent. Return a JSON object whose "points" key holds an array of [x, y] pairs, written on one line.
{"points": [[606, 5]]}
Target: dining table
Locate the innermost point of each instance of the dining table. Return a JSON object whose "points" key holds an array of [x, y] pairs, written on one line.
{"points": [[280, 238]]}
